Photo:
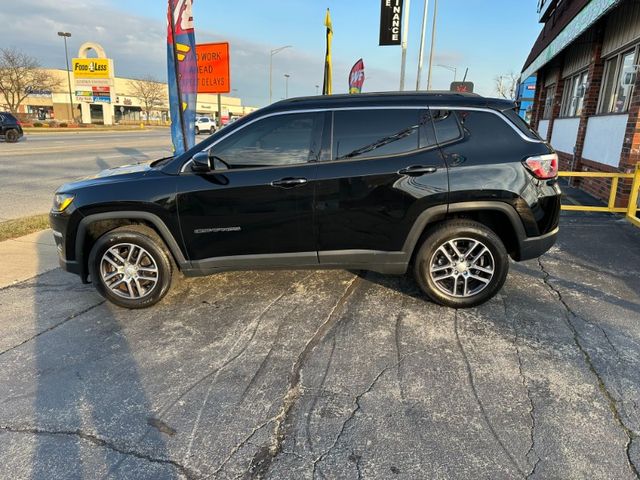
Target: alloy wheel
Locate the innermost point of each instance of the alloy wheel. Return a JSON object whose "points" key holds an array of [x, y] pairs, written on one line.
{"points": [[129, 271], [462, 267]]}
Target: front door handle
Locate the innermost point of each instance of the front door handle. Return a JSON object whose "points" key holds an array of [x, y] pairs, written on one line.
{"points": [[289, 182], [417, 170]]}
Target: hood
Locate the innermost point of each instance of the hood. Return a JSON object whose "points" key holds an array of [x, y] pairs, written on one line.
{"points": [[117, 174]]}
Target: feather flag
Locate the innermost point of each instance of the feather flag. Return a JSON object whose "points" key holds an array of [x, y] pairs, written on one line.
{"points": [[327, 88], [356, 77], [182, 69]]}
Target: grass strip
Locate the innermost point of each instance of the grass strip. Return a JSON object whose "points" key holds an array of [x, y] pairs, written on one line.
{"points": [[23, 226]]}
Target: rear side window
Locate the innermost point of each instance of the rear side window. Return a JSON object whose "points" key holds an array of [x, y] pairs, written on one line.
{"points": [[376, 133], [486, 129], [519, 122]]}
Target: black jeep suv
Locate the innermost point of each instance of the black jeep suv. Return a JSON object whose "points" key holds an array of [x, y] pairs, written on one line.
{"points": [[449, 185], [10, 128]]}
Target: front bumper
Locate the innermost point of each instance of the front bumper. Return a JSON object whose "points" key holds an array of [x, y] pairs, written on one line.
{"points": [[534, 247]]}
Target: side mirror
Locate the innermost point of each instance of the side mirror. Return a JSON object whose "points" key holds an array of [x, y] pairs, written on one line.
{"points": [[201, 162]]}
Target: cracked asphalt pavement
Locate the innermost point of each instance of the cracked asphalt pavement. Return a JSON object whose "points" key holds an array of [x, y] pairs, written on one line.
{"points": [[332, 374]]}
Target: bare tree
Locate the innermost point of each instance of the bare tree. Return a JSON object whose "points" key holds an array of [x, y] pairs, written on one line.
{"points": [[149, 91], [506, 85], [21, 74]]}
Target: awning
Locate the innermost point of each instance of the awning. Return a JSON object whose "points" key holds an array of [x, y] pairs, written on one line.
{"points": [[589, 15]]}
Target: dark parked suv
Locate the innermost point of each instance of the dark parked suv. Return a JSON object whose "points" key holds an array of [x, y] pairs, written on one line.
{"points": [[10, 128], [447, 185]]}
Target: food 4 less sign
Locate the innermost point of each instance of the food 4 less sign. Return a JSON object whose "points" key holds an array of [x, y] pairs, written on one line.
{"points": [[90, 68]]}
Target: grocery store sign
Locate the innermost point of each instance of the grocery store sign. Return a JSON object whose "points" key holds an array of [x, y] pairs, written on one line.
{"points": [[591, 13], [91, 71]]}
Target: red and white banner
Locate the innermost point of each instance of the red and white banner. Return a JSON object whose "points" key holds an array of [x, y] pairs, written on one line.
{"points": [[356, 77]]}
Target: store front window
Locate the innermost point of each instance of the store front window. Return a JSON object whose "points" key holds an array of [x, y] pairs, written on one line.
{"points": [[619, 81], [573, 96]]}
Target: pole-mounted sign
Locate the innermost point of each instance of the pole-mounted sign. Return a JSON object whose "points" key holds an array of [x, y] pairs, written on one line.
{"points": [[390, 22]]}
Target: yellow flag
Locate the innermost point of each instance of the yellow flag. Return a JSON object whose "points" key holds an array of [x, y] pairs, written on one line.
{"points": [[327, 88]]}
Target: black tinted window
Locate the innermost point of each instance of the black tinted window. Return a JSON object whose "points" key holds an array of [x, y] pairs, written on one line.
{"points": [[446, 126], [519, 122], [278, 140], [486, 129], [375, 133]]}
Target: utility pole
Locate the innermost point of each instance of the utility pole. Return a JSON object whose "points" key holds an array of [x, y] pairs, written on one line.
{"points": [[286, 85], [272, 53], [433, 41], [66, 35], [405, 34], [422, 34]]}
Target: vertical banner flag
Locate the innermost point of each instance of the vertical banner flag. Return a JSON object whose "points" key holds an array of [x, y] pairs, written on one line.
{"points": [[326, 86], [390, 22], [356, 77], [182, 74]]}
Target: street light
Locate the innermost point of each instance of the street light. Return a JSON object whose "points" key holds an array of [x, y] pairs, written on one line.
{"points": [[65, 35], [286, 85], [272, 53], [451, 69]]}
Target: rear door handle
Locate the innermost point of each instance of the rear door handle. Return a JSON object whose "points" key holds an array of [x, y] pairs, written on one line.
{"points": [[289, 182], [417, 170]]}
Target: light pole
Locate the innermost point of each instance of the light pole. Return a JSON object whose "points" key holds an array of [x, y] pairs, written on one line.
{"points": [[65, 35], [422, 34], [403, 42], [433, 42], [272, 53], [286, 85], [451, 69]]}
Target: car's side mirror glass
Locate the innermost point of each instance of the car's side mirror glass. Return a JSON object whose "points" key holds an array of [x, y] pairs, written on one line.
{"points": [[201, 162], [217, 163]]}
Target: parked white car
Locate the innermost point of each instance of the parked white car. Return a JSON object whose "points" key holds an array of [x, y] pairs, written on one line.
{"points": [[205, 124]]}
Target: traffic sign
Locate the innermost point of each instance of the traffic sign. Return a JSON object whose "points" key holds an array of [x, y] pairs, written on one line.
{"points": [[213, 67]]}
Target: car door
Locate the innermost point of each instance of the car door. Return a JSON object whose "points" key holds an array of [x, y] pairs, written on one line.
{"points": [[383, 170], [258, 210]]}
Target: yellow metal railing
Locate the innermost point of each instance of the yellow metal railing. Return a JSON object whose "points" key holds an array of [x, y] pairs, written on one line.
{"points": [[631, 210]]}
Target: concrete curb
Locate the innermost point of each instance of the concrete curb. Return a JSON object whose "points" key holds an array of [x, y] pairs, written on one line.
{"points": [[25, 257]]}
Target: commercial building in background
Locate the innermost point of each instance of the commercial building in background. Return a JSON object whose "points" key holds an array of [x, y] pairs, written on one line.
{"points": [[101, 97], [587, 98], [525, 96]]}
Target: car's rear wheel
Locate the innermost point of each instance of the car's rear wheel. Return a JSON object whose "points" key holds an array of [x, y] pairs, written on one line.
{"points": [[130, 267], [461, 264], [11, 135]]}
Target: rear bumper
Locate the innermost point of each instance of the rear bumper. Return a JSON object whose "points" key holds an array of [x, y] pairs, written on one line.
{"points": [[534, 247]]}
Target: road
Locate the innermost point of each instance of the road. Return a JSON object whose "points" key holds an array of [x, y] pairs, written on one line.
{"points": [[32, 169], [332, 374]]}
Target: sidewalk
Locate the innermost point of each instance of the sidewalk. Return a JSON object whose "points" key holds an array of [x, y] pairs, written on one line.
{"points": [[25, 257]]}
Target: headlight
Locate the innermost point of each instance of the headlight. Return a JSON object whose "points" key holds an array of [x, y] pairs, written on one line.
{"points": [[61, 201]]}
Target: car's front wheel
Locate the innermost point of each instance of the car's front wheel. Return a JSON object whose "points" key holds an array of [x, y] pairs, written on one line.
{"points": [[461, 264], [130, 267], [11, 136]]}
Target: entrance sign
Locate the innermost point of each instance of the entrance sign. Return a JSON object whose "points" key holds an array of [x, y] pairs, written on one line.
{"points": [[390, 22], [213, 67]]}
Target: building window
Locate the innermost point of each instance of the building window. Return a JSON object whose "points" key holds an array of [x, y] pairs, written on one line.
{"points": [[575, 88], [619, 80], [548, 102]]}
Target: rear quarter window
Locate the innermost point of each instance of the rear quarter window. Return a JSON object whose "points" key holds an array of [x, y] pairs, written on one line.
{"points": [[520, 124]]}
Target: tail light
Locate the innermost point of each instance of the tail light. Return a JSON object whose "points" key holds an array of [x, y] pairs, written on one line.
{"points": [[543, 166]]}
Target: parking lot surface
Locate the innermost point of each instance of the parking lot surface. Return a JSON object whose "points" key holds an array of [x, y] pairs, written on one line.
{"points": [[332, 374]]}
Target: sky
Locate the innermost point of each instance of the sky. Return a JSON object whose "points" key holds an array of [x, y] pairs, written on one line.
{"points": [[489, 37]]}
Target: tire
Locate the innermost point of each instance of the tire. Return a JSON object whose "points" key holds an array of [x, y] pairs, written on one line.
{"points": [[197, 131], [457, 280], [132, 287], [11, 136]]}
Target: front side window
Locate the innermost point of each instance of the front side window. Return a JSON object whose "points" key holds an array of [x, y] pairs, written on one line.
{"points": [[618, 84], [274, 141], [376, 133]]}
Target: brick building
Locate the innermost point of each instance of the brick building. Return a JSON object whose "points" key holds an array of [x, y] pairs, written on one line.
{"points": [[587, 102]]}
